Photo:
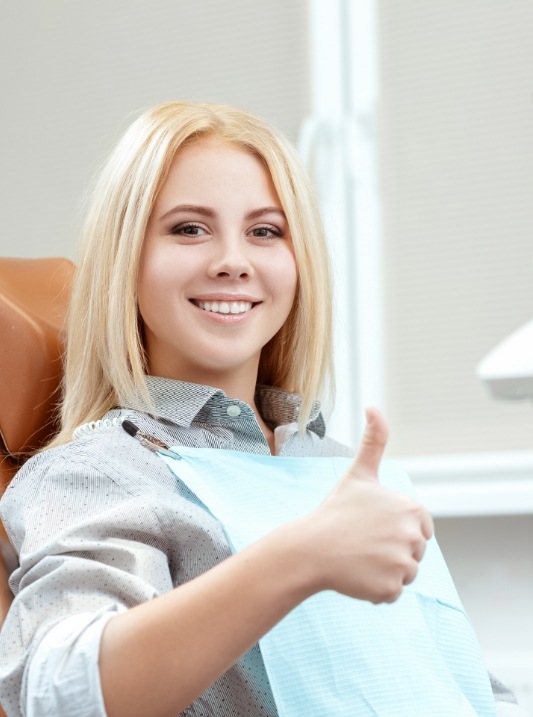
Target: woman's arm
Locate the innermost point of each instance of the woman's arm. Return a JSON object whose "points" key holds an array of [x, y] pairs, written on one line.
{"points": [[364, 541]]}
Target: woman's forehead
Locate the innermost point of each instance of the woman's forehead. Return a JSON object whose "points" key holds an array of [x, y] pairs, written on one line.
{"points": [[217, 168]]}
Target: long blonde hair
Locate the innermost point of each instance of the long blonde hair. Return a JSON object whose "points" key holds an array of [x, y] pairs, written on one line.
{"points": [[105, 361]]}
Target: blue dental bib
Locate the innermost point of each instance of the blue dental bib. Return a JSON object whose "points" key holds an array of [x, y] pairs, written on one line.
{"points": [[335, 656]]}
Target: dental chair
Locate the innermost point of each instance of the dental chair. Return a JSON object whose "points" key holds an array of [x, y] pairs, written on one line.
{"points": [[33, 301]]}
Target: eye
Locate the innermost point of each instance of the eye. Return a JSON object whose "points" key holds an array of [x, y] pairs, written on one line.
{"points": [[266, 232], [188, 229]]}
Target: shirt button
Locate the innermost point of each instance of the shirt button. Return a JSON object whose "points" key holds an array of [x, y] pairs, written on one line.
{"points": [[233, 411]]}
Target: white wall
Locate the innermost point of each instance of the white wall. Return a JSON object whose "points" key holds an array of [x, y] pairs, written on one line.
{"points": [[75, 72], [456, 148]]}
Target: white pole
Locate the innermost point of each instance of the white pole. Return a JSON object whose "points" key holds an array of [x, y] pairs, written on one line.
{"points": [[338, 145]]}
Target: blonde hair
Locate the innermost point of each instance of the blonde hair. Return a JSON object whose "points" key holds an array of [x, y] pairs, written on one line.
{"points": [[105, 361]]}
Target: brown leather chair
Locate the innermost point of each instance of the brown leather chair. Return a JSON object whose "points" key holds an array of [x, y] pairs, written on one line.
{"points": [[33, 301]]}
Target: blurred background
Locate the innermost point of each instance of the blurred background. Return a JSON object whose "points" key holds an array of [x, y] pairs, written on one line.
{"points": [[415, 120]]}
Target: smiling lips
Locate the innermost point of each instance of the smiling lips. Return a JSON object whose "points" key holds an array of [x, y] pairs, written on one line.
{"points": [[225, 307]]}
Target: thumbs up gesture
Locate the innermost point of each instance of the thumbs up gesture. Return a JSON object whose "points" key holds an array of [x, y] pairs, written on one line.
{"points": [[368, 540]]}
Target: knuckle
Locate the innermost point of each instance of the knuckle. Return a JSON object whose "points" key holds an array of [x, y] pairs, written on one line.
{"points": [[390, 590], [404, 565], [414, 538], [416, 508], [411, 574], [393, 594]]}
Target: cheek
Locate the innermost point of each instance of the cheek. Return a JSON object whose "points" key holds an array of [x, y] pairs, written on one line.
{"points": [[145, 293], [155, 280], [287, 277]]}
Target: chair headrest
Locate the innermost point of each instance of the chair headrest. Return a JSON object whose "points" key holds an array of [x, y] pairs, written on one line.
{"points": [[34, 296]]}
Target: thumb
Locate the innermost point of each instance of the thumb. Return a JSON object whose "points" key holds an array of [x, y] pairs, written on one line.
{"points": [[376, 433]]}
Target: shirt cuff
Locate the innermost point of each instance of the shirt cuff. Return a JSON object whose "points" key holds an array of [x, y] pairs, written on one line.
{"points": [[63, 678]]}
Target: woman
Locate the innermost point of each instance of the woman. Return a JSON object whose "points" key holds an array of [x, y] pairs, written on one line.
{"points": [[201, 314]]}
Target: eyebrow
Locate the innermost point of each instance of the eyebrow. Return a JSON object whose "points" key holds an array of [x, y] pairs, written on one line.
{"points": [[207, 212]]}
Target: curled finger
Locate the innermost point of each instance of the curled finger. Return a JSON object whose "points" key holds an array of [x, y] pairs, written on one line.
{"points": [[419, 550], [411, 572]]}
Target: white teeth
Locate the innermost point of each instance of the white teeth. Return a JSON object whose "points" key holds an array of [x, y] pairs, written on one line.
{"points": [[226, 307]]}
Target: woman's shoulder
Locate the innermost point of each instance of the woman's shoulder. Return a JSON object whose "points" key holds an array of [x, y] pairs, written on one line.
{"points": [[100, 453], [89, 475], [91, 450]]}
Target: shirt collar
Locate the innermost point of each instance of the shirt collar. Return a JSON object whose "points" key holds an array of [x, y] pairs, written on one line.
{"points": [[180, 402], [279, 407]]}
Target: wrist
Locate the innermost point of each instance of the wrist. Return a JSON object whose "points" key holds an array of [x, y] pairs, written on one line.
{"points": [[296, 565]]}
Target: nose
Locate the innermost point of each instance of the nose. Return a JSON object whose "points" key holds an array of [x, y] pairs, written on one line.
{"points": [[230, 260]]}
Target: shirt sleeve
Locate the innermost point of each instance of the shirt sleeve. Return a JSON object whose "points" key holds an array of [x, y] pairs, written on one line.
{"points": [[506, 704], [88, 548], [63, 676]]}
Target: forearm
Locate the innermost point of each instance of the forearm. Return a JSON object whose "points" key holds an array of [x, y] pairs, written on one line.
{"points": [[159, 656]]}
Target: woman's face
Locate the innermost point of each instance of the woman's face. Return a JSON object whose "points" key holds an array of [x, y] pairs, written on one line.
{"points": [[217, 274]]}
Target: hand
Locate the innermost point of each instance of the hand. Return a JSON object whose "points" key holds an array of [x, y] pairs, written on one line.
{"points": [[369, 540]]}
